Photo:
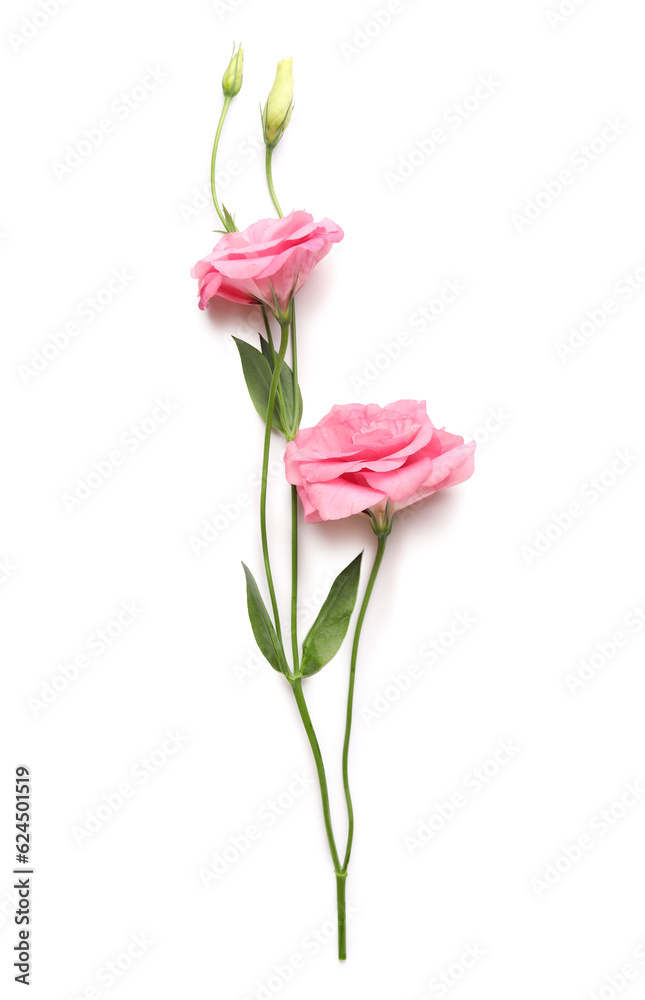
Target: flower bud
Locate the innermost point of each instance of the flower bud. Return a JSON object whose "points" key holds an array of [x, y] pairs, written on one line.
{"points": [[277, 110], [232, 79]]}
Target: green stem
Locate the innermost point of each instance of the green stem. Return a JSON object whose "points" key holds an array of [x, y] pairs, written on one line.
{"points": [[267, 327], [294, 578], [265, 473], [294, 368], [269, 172], [227, 102], [320, 767], [380, 551], [294, 500], [341, 882]]}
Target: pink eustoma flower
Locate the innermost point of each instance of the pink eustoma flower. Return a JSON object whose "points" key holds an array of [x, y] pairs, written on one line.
{"points": [[362, 458], [266, 263]]}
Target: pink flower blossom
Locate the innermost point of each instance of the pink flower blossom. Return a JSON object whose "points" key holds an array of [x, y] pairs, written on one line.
{"points": [[366, 457], [273, 257]]}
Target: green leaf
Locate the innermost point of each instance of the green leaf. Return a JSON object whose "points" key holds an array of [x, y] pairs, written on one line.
{"points": [[257, 375], [263, 629], [229, 221], [266, 350], [325, 636], [286, 382]]}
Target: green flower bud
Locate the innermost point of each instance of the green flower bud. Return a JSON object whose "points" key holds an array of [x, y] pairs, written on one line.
{"points": [[277, 110], [232, 79]]}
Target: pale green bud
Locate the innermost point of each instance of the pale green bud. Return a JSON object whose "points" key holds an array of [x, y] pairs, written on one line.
{"points": [[277, 110], [232, 79]]}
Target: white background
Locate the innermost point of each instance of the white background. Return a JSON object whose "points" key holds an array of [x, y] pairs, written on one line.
{"points": [[365, 94]]}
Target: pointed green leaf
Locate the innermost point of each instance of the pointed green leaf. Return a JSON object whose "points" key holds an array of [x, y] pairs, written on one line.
{"points": [[325, 636], [266, 350], [286, 383], [263, 629], [257, 375]]}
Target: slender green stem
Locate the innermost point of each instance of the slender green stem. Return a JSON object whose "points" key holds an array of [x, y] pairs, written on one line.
{"points": [[227, 102], [282, 407], [341, 882], [320, 767], [294, 579], [294, 368], [380, 551], [265, 473], [269, 172], [267, 327], [294, 500]]}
